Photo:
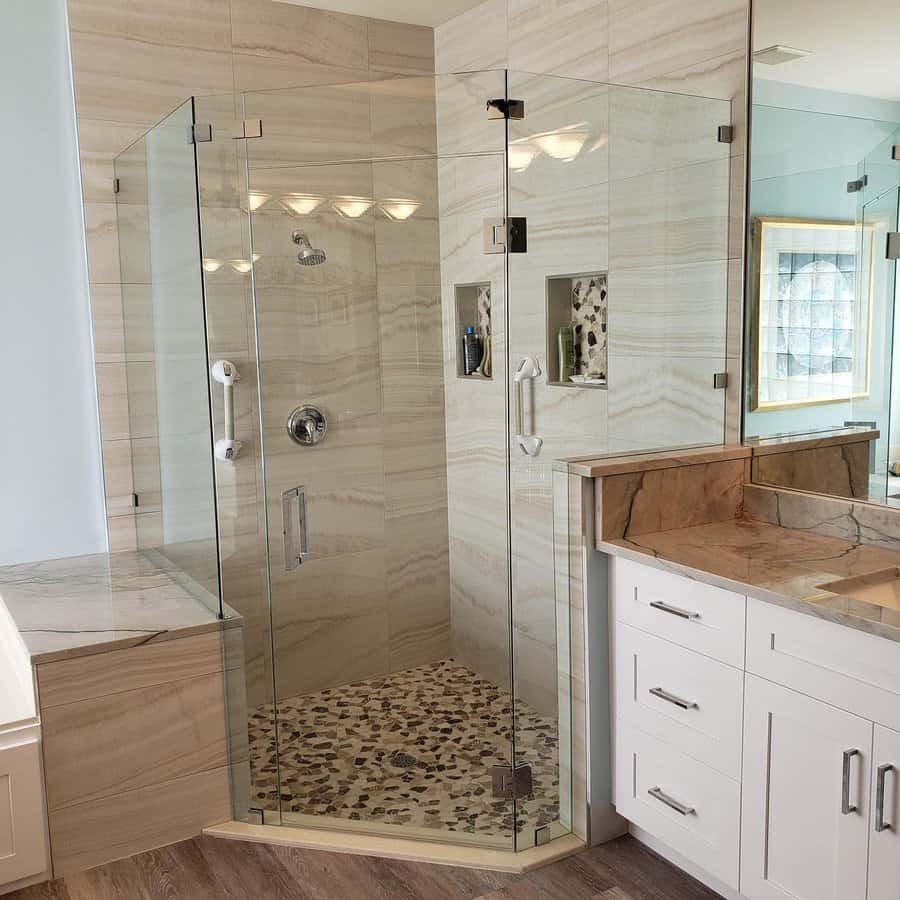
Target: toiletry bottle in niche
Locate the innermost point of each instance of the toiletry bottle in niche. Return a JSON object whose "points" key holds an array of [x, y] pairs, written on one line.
{"points": [[471, 351], [566, 351]]}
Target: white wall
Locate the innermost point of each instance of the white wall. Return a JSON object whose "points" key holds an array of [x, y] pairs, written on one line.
{"points": [[51, 486]]}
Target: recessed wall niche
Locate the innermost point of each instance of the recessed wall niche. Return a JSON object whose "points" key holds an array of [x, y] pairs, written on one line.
{"points": [[576, 330], [473, 310]]}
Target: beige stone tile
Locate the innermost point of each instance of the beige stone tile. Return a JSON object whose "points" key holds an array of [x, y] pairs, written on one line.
{"points": [[151, 79], [253, 72], [227, 310], [403, 116], [101, 231], [722, 77], [144, 460], [299, 33], [141, 400], [462, 126], [148, 530], [560, 37], [331, 624], [117, 479], [400, 48], [676, 310], [195, 23], [137, 317], [99, 143], [651, 39], [121, 531], [106, 323], [409, 320], [112, 391], [737, 208], [476, 39]]}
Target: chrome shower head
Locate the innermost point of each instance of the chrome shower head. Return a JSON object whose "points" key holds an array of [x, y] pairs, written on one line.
{"points": [[308, 255]]}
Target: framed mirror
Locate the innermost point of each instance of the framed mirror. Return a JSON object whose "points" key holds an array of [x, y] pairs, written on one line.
{"points": [[822, 361]]}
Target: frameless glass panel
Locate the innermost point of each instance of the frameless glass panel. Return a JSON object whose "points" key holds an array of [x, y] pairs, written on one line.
{"points": [[367, 269], [168, 402]]}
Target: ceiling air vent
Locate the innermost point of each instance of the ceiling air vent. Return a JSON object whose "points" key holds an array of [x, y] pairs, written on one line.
{"points": [[778, 54]]}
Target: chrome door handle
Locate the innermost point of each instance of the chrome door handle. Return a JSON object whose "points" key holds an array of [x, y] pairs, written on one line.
{"points": [[674, 610], [659, 794], [673, 698], [293, 552], [846, 806], [529, 442], [880, 824]]}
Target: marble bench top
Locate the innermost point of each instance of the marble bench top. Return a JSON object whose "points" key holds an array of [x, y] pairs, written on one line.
{"points": [[774, 564], [107, 601]]}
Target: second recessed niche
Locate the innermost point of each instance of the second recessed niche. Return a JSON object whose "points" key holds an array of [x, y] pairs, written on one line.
{"points": [[473, 348], [576, 330]]}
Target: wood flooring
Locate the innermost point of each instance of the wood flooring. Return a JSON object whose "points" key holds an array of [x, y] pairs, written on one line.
{"points": [[207, 868]]}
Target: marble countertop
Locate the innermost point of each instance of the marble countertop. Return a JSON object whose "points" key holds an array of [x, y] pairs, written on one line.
{"points": [[107, 601], [774, 564]]}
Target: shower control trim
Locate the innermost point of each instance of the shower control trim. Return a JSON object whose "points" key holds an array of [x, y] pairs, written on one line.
{"points": [[307, 426], [225, 373], [294, 550]]}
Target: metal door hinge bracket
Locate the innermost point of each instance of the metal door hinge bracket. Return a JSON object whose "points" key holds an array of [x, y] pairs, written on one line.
{"points": [[255, 815], [136, 500], [199, 133], [893, 245], [726, 134], [247, 128], [895, 152], [511, 782], [854, 187], [501, 108], [505, 235], [116, 185], [542, 835], [720, 381]]}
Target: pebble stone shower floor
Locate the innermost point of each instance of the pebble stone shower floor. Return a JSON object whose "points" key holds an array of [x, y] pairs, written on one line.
{"points": [[413, 748]]}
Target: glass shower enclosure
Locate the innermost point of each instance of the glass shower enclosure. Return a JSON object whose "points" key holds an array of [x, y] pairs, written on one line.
{"points": [[406, 283]]}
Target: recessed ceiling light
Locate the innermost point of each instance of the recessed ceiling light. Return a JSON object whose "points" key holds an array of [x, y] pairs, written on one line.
{"points": [[778, 54]]}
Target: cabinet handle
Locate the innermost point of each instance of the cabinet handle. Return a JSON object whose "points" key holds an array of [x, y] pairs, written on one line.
{"points": [[846, 806], [659, 794], [674, 610], [880, 824], [672, 698]]}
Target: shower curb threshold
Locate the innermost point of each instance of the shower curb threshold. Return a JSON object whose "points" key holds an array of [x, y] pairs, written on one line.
{"points": [[434, 852]]}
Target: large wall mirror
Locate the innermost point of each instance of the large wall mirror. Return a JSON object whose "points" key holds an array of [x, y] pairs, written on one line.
{"points": [[822, 372]]}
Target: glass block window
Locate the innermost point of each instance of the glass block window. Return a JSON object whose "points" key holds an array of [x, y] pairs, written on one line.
{"points": [[813, 313]]}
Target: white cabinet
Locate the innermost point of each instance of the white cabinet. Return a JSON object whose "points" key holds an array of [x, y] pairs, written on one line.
{"points": [[884, 837], [805, 815], [23, 843]]}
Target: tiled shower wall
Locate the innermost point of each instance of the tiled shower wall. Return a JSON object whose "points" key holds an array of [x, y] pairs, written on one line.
{"points": [[133, 63]]}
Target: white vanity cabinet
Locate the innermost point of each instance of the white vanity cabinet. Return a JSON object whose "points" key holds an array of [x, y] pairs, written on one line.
{"points": [[757, 744]]}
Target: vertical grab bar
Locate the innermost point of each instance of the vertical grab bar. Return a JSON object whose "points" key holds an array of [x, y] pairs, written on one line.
{"points": [[528, 370], [226, 374], [294, 552]]}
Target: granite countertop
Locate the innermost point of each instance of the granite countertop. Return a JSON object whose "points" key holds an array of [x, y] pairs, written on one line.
{"points": [[777, 565], [107, 601]]}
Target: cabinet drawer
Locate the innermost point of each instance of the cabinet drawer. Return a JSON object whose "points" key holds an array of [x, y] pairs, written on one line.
{"points": [[23, 840], [690, 807], [690, 701], [850, 669], [695, 615]]}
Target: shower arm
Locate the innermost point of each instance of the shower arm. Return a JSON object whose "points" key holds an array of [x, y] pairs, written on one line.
{"points": [[226, 374]]}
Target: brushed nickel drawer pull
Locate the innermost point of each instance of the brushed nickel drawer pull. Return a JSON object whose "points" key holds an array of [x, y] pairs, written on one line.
{"points": [[674, 610], [846, 806], [880, 824], [672, 698], [659, 794]]}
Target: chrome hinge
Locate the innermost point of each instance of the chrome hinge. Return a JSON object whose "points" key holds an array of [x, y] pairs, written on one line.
{"points": [[893, 245], [255, 815], [116, 185], [501, 108], [542, 835], [247, 128], [726, 134], [136, 500], [199, 133], [895, 152], [511, 782], [505, 235], [720, 380], [854, 187]]}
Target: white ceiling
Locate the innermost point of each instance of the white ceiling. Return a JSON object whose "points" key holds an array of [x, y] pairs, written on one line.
{"points": [[855, 44], [415, 12]]}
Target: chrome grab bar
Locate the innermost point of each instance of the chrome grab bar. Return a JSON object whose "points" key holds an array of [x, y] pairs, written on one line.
{"points": [[294, 553], [672, 698], [528, 370], [674, 610], [846, 806], [880, 824], [659, 794]]}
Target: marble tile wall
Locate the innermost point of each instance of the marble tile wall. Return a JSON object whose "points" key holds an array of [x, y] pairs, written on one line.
{"points": [[132, 65]]}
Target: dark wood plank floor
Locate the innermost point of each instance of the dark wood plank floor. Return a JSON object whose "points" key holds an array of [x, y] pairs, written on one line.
{"points": [[206, 868]]}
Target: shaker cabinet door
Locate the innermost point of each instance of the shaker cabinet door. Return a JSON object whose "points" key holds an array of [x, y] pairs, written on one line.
{"points": [[806, 797], [884, 839]]}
